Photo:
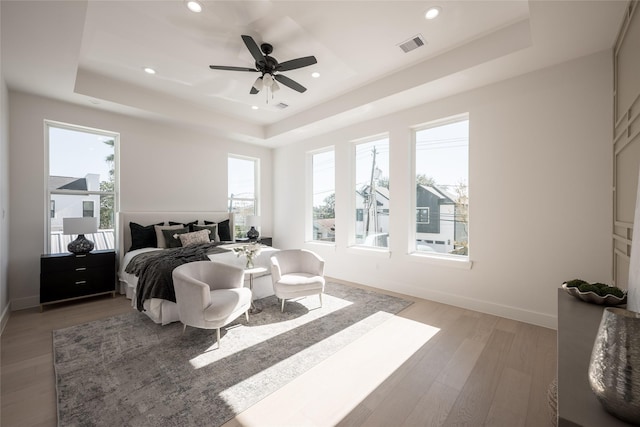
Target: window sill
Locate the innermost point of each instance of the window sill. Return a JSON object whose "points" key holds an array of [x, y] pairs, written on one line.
{"points": [[321, 244], [369, 250], [442, 260]]}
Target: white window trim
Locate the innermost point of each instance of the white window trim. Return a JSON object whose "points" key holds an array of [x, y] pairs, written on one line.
{"points": [[354, 247], [256, 184], [440, 259], [308, 224], [116, 176]]}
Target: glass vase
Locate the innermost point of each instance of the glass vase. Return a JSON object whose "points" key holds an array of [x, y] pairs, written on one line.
{"points": [[249, 263]]}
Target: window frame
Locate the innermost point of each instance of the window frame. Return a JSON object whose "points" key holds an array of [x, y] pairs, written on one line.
{"points": [[48, 202], [309, 232], [352, 239], [462, 260], [256, 192]]}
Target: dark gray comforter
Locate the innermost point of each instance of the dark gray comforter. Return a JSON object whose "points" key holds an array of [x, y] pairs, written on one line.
{"points": [[154, 269]]}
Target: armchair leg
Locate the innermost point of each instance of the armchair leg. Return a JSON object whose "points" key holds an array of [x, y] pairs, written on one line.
{"points": [[282, 307], [246, 314], [320, 295], [184, 327], [218, 337]]}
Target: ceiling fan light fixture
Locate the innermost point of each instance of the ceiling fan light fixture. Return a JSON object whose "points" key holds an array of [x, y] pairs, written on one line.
{"points": [[259, 84], [268, 80], [194, 6], [275, 87]]}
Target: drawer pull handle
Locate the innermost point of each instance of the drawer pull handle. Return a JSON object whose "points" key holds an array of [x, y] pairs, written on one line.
{"points": [[81, 268], [81, 282], [81, 256]]}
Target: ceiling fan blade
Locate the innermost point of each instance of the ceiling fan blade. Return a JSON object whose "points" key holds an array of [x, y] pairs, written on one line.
{"points": [[224, 67], [253, 90], [291, 83], [253, 48], [297, 63]]}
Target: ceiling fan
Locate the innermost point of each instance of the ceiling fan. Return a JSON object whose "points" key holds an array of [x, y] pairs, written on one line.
{"points": [[268, 66]]}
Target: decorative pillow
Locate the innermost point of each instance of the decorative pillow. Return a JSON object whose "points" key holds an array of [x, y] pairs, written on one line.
{"points": [[170, 237], [162, 243], [194, 238], [224, 232], [189, 225], [212, 228], [143, 236]]}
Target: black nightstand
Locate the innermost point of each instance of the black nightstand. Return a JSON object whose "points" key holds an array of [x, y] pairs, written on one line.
{"points": [[266, 241], [68, 276]]}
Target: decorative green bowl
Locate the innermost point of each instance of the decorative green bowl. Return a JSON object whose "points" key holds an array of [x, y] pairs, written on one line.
{"points": [[593, 298]]}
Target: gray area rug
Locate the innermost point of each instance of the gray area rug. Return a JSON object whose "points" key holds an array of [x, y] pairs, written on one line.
{"points": [[128, 371]]}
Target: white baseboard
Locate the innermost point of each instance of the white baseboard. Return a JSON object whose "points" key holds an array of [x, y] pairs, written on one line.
{"points": [[514, 313]]}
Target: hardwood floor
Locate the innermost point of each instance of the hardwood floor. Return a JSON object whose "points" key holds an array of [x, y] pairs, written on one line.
{"points": [[431, 365]]}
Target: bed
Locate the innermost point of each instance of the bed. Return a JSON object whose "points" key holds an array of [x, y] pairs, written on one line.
{"points": [[163, 311]]}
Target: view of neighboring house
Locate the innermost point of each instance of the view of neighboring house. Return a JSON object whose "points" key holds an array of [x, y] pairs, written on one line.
{"points": [[377, 218], [76, 205], [73, 205], [437, 225], [325, 229]]}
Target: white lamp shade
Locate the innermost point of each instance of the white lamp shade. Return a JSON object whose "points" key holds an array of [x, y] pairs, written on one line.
{"points": [[253, 221], [85, 225], [259, 84]]}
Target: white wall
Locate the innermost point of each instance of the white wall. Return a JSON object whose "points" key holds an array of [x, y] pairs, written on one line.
{"points": [[162, 168], [540, 194], [4, 199]]}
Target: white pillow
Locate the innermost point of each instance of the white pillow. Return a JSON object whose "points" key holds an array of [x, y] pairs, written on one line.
{"points": [[194, 238], [162, 243]]}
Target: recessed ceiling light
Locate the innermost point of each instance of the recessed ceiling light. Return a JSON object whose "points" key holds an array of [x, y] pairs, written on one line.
{"points": [[194, 6], [315, 75], [254, 107], [149, 70], [432, 12]]}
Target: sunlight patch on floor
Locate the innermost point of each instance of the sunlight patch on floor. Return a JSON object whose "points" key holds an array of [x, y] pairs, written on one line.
{"points": [[334, 387], [242, 336]]}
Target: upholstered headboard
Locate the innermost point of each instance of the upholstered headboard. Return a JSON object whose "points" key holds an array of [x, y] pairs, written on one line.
{"points": [[147, 218]]}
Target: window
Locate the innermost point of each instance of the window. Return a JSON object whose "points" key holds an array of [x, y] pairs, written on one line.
{"points": [[242, 173], [441, 180], [324, 196], [372, 193], [87, 208], [82, 176]]}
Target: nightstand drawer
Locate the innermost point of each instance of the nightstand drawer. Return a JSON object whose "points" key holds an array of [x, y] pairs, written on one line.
{"points": [[70, 262]]}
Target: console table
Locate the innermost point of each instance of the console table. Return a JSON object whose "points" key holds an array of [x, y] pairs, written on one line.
{"points": [[578, 324]]}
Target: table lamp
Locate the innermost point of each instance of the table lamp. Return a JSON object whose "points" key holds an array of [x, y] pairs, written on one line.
{"points": [[80, 226]]}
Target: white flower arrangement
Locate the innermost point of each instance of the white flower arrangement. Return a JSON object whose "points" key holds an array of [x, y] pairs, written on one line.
{"points": [[251, 251]]}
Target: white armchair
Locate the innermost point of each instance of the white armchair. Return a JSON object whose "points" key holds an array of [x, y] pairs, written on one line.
{"points": [[297, 273], [210, 295]]}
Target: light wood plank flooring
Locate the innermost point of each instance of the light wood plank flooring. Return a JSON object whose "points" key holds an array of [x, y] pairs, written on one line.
{"points": [[432, 365]]}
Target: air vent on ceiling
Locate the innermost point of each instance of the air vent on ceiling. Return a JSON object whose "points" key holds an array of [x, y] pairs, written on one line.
{"points": [[282, 105], [412, 43]]}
